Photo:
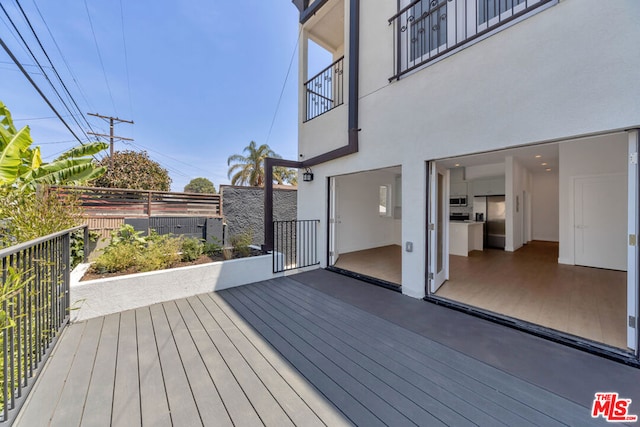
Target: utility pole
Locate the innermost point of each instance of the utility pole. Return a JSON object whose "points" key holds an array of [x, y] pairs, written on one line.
{"points": [[111, 136]]}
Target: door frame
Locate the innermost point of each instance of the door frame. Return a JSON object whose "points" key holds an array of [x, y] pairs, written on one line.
{"points": [[433, 196], [633, 262], [332, 221]]}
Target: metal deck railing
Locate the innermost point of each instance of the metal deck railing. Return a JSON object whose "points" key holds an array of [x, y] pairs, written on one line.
{"points": [[295, 244], [34, 309]]}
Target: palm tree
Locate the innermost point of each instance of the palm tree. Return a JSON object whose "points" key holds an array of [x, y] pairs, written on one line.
{"points": [[249, 169]]}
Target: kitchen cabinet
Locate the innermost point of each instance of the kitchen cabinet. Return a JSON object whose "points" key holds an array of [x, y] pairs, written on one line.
{"points": [[490, 186], [465, 237], [458, 189]]}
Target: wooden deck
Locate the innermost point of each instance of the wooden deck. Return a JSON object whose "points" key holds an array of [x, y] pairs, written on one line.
{"points": [[275, 353]]}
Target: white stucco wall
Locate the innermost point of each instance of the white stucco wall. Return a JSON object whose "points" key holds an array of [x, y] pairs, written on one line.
{"points": [[560, 74], [94, 298]]}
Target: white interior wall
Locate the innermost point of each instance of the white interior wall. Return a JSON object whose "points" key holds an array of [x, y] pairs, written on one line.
{"points": [[360, 225], [545, 200], [517, 182], [603, 155]]}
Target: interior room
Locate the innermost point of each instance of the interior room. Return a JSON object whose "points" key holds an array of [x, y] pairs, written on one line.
{"points": [[540, 234], [366, 224]]}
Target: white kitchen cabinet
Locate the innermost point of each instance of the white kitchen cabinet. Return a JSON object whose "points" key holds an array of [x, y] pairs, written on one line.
{"points": [[465, 237], [458, 189], [488, 187]]}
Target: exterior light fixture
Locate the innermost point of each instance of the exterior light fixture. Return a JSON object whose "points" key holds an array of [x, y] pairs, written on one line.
{"points": [[307, 176]]}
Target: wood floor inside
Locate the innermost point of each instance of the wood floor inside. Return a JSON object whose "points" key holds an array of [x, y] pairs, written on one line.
{"points": [[528, 284], [384, 263]]}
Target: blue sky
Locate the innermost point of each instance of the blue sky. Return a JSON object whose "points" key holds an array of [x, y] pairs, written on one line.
{"points": [[201, 79]]}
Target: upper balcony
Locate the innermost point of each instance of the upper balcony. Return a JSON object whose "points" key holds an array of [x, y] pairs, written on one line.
{"points": [[325, 90], [426, 30], [323, 43]]}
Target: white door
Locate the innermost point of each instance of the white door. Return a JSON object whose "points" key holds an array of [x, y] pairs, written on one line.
{"points": [[333, 221], [600, 221], [438, 226], [632, 248]]}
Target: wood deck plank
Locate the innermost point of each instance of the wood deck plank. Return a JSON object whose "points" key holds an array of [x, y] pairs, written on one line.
{"points": [[355, 411], [376, 377], [208, 401], [44, 397], [76, 385], [154, 406], [126, 394], [184, 410], [317, 402], [235, 400], [384, 410], [291, 403], [432, 375], [97, 409], [528, 394], [423, 385], [264, 403]]}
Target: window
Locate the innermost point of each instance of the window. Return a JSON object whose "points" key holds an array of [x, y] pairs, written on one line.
{"points": [[384, 207], [428, 29]]}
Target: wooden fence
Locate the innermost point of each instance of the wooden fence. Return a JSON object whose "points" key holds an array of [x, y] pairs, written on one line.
{"points": [[121, 203]]}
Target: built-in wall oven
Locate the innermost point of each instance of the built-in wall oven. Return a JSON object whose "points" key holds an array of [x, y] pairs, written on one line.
{"points": [[458, 201]]}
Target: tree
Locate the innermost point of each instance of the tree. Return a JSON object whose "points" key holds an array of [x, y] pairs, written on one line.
{"points": [[200, 185], [133, 170], [283, 175], [21, 166], [249, 169]]}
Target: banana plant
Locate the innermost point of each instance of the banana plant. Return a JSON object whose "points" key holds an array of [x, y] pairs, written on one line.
{"points": [[22, 166]]}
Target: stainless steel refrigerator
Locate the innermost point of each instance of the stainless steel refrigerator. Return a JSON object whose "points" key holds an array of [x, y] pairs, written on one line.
{"points": [[494, 208]]}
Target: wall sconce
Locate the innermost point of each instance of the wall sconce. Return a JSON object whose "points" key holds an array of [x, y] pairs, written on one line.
{"points": [[307, 176]]}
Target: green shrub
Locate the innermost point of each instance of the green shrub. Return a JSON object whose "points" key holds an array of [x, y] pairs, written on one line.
{"points": [[212, 248], [129, 250], [117, 258], [27, 215], [241, 242], [159, 254], [192, 248]]}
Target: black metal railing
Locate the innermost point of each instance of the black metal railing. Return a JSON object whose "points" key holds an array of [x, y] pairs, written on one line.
{"points": [[34, 309], [325, 90], [425, 30], [295, 244]]}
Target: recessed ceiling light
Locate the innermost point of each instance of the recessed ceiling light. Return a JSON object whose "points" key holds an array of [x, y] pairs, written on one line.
{"points": [[548, 169], [544, 164], [457, 164], [538, 156]]}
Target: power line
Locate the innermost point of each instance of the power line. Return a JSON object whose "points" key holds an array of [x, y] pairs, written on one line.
{"points": [[284, 85], [52, 66], [126, 57], [172, 158], [73, 76], [104, 72], [12, 56], [111, 136], [42, 69]]}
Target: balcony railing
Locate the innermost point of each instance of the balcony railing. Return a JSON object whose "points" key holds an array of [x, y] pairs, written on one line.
{"points": [[34, 307], [324, 91], [425, 30], [295, 244]]}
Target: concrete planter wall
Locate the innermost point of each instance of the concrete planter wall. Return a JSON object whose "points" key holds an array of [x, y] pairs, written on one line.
{"points": [[100, 297]]}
